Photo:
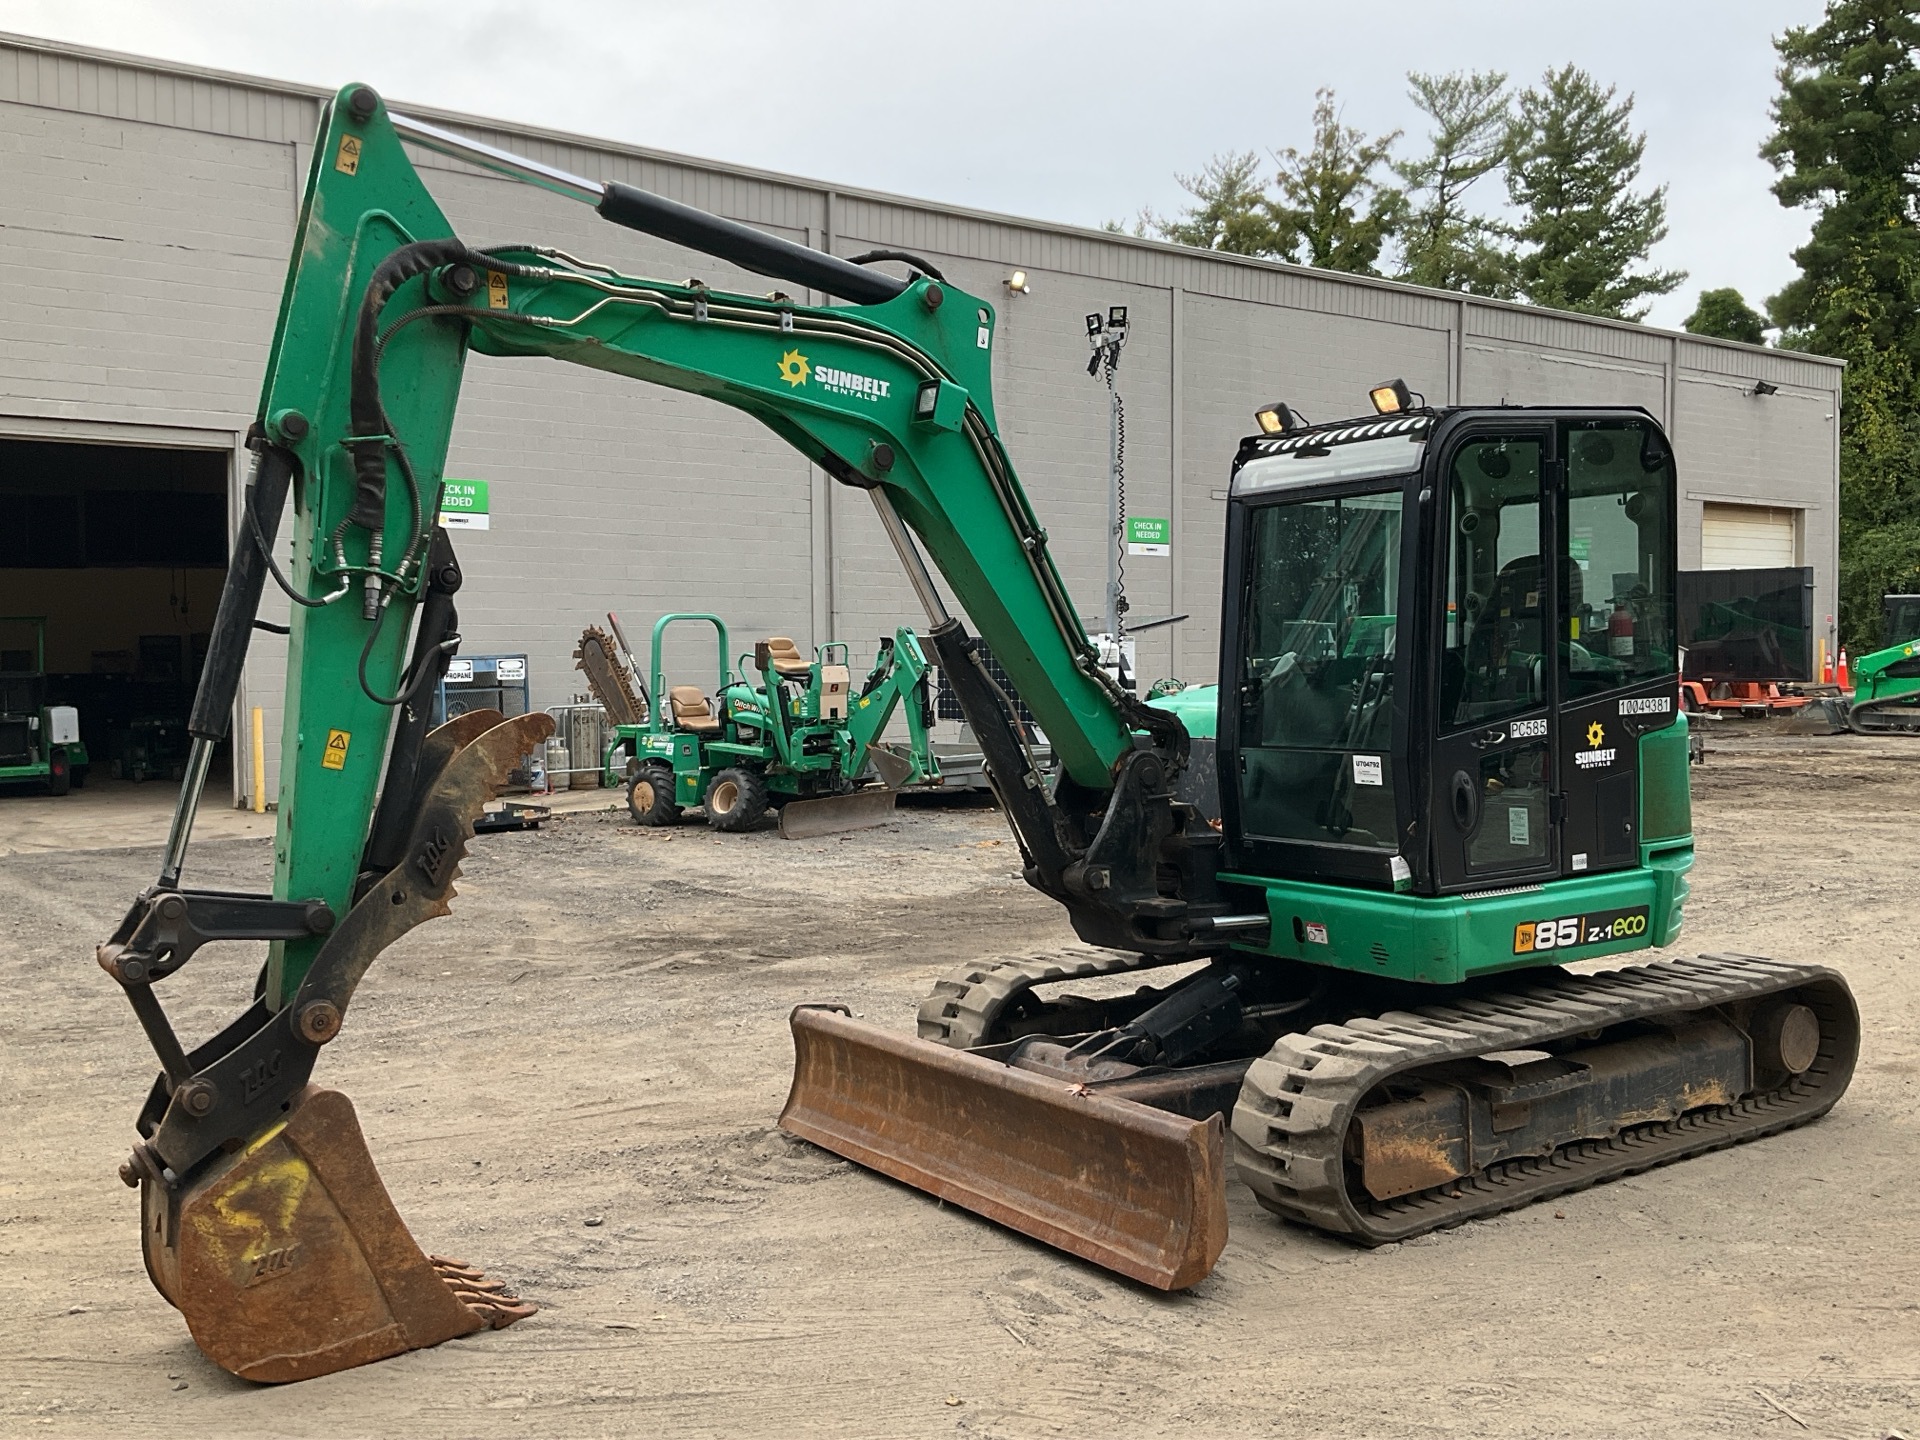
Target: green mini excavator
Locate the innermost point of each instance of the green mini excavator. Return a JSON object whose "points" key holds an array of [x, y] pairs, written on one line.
{"points": [[1447, 753]]}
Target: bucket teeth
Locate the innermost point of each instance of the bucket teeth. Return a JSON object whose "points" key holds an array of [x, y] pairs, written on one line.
{"points": [[488, 1298]]}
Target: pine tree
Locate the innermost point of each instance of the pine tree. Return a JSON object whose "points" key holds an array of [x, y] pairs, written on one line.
{"points": [[1331, 210], [1725, 315], [1846, 142], [1443, 244], [1575, 162], [1232, 212]]}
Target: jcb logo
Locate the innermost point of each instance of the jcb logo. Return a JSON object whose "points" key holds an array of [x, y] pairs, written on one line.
{"points": [[272, 1263], [1546, 935], [436, 854], [257, 1076]]}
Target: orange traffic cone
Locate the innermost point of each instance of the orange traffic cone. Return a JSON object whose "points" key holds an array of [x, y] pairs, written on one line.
{"points": [[1845, 681], [1826, 665]]}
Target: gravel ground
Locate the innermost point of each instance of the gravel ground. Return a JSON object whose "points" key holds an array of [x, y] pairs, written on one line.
{"points": [[573, 1082]]}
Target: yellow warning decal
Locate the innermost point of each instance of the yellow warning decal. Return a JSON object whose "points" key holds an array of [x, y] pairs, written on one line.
{"points": [[496, 290], [336, 756], [347, 161]]}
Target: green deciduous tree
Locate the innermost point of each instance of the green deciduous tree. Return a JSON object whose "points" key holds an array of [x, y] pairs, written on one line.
{"points": [[1442, 242], [1572, 173], [1846, 142], [1725, 315], [1332, 207]]}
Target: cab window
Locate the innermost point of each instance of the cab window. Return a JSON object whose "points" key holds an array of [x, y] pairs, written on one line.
{"points": [[1617, 584], [1494, 627], [1317, 692]]}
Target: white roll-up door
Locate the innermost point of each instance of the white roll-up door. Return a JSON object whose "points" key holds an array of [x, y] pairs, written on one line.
{"points": [[1747, 537]]}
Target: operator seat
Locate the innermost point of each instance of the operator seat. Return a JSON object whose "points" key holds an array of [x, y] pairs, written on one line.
{"points": [[788, 663], [1509, 620], [691, 711]]}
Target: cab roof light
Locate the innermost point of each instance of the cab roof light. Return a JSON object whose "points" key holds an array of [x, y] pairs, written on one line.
{"points": [[1278, 418], [1393, 397]]}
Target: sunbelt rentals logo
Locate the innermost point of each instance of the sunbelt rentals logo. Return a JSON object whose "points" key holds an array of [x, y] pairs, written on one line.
{"points": [[1594, 756], [796, 370]]}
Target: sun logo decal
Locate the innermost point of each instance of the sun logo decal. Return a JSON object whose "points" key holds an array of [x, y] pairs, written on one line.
{"points": [[794, 368], [1595, 735]]}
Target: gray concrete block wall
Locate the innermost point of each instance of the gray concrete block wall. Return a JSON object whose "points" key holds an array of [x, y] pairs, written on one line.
{"points": [[1505, 372], [1241, 356], [139, 261]]}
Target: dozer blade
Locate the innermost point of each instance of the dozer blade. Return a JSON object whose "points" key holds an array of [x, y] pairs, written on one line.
{"points": [[289, 1261], [863, 809], [1137, 1190]]}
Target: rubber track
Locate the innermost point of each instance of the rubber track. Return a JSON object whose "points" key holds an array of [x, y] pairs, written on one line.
{"points": [[967, 1003], [1297, 1102], [1902, 718]]}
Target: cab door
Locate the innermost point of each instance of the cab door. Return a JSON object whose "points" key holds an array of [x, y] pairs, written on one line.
{"points": [[1616, 659], [1496, 818]]}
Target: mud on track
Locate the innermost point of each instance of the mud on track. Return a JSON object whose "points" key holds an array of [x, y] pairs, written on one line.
{"points": [[598, 1034]]}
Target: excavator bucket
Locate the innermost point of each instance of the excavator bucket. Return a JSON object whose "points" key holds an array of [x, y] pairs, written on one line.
{"points": [[863, 809], [285, 1254], [1137, 1190], [289, 1261]]}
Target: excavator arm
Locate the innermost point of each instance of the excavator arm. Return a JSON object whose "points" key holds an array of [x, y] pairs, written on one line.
{"points": [[264, 1220]]}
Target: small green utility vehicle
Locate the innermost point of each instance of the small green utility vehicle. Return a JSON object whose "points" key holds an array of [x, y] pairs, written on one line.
{"points": [[39, 743], [785, 732]]}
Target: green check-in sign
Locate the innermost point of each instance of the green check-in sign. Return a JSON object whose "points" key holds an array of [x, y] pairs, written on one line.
{"points": [[1148, 536], [463, 505]]}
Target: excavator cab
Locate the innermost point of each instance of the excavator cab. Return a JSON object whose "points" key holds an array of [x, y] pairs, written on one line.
{"points": [[1451, 632]]}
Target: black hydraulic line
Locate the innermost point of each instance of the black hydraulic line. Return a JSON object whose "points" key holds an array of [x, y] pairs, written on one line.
{"points": [[369, 442], [266, 495], [906, 257], [745, 246], [399, 800]]}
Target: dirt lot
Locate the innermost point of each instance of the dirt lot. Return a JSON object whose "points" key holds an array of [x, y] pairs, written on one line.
{"points": [[573, 1082]]}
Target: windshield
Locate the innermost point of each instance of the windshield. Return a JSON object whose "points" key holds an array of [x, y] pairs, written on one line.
{"points": [[1903, 619], [1316, 694]]}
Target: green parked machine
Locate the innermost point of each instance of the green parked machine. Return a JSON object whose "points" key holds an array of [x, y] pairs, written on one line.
{"points": [[39, 743], [1886, 684], [796, 739], [1450, 769]]}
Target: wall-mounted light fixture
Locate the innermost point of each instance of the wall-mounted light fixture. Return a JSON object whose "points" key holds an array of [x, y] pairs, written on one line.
{"points": [[1018, 284], [1761, 387]]}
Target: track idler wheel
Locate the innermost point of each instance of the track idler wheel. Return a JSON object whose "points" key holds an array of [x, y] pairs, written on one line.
{"points": [[289, 1261]]}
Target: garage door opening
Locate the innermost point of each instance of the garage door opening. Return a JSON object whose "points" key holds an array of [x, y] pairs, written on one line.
{"points": [[1748, 537], [121, 550]]}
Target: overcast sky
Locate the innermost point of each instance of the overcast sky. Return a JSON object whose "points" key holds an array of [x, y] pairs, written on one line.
{"points": [[1076, 112]]}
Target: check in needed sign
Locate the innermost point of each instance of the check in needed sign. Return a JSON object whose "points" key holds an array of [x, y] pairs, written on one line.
{"points": [[1146, 536], [463, 505]]}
